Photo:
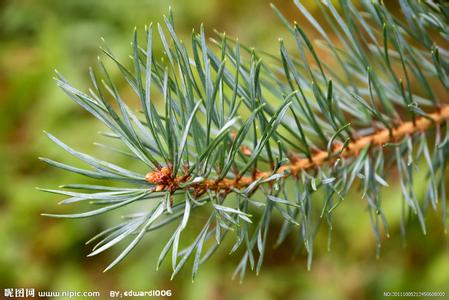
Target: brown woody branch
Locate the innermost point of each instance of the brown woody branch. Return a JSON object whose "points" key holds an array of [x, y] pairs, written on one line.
{"points": [[163, 181]]}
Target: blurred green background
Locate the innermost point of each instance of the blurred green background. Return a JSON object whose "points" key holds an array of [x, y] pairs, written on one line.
{"points": [[49, 254]]}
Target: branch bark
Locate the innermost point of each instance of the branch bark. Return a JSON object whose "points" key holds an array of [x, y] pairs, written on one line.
{"points": [[163, 181]]}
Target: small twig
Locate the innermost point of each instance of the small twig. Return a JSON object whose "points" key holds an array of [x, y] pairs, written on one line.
{"points": [[378, 139]]}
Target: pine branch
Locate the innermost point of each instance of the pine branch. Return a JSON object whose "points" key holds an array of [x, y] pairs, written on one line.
{"points": [[253, 136], [163, 179]]}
